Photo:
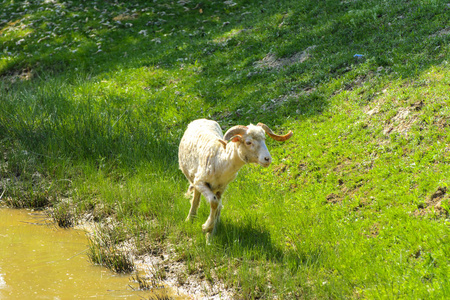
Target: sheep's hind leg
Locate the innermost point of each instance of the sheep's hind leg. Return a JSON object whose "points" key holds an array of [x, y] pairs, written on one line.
{"points": [[194, 205]]}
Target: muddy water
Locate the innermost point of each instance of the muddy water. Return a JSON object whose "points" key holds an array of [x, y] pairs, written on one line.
{"points": [[40, 261]]}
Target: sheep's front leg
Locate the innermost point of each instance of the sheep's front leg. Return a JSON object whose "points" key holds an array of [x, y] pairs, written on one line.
{"points": [[210, 224], [213, 220], [194, 205], [214, 203]]}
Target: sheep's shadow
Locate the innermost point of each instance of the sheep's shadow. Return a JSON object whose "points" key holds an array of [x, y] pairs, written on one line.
{"points": [[246, 237], [251, 239]]}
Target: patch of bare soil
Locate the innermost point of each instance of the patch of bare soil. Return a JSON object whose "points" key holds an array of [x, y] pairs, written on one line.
{"points": [[434, 204], [279, 169], [172, 273], [273, 104], [18, 75], [442, 32], [270, 61], [333, 198], [126, 17], [403, 120], [374, 231], [358, 81]]}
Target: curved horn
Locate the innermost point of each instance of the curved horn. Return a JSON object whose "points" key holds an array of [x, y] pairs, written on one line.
{"points": [[276, 137], [235, 130]]}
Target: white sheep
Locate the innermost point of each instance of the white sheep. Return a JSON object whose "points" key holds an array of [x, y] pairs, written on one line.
{"points": [[210, 163]]}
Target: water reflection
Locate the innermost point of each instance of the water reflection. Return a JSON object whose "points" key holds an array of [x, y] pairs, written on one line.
{"points": [[45, 262], [2, 283]]}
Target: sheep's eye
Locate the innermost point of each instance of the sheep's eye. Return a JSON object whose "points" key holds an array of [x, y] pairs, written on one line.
{"points": [[248, 143]]}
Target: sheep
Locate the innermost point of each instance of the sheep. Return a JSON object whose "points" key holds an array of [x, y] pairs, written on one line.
{"points": [[211, 160]]}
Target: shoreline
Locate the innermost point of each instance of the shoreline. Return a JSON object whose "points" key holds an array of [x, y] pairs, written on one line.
{"points": [[163, 270]]}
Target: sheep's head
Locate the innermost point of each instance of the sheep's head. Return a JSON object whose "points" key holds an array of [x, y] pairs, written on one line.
{"points": [[252, 142]]}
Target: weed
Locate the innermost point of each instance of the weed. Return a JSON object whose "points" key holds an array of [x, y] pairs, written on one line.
{"points": [[153, 283], [27, 199], [161, 296], [105, 253], [62, 214], [144, 283]]}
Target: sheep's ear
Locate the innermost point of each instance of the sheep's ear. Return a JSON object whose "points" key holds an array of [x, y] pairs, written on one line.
{"points": [[236, 138]]}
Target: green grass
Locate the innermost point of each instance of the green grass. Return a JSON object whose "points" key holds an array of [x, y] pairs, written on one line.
{"points": [[103, 251], [95, 98]]}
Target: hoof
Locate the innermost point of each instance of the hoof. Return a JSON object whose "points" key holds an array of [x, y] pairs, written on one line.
{"points": [[207, 229]]}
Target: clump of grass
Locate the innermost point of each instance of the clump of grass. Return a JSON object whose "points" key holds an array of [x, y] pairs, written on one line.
{"points": [[151, 283], [103, 252], [62, 214], [22, 184], [112, 258], [144, 283], [161, 296], [27, 199]]}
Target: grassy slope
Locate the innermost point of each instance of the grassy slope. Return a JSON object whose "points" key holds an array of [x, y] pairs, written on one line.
{"points": [[351, 205]]}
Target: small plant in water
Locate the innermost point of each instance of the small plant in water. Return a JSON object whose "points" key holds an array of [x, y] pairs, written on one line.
{"points": [[143, 282], [161, 296], [62, 215], [109, 256], [151, 283]]}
